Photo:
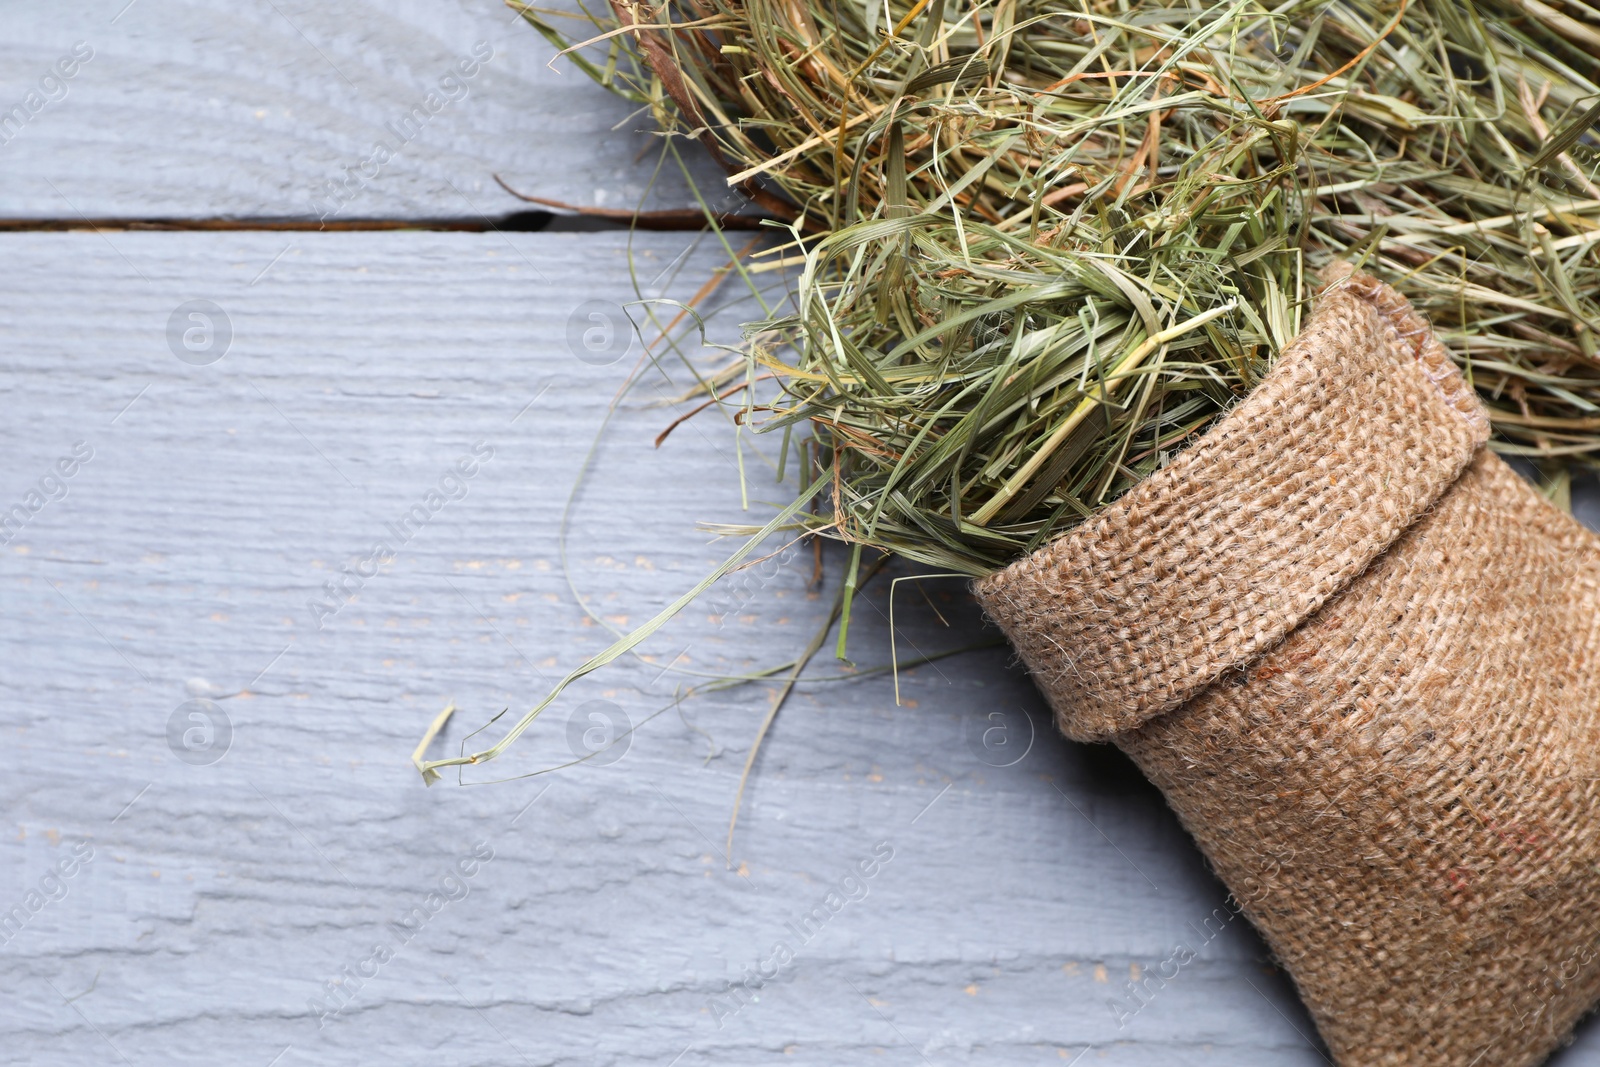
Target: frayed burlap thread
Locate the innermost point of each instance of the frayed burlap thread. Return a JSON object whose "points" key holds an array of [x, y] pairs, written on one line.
{"points": [[1358, 654]]}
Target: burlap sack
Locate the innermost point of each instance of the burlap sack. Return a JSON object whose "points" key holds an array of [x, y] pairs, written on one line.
{"points": [[1357, 653]]}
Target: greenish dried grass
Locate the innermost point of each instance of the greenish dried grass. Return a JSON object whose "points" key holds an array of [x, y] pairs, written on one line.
{"points": [[1043, 245]]}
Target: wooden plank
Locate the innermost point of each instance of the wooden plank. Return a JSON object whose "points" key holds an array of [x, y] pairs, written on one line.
{"points": [[1007, 908], [336, 111]]}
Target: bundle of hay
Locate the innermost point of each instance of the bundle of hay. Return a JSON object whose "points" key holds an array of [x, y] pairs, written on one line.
{"points": [[1047, 242]]}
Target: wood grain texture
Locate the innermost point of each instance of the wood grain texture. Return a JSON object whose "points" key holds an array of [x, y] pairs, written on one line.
{"points": [[206, 109], [607, 927]]}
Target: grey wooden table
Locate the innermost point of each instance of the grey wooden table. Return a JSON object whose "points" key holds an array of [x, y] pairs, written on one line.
{"points": [[938, 881]]}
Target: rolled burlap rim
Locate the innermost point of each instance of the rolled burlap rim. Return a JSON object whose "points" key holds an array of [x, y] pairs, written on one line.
{"points": [[1358, 654], [1362, 425]]}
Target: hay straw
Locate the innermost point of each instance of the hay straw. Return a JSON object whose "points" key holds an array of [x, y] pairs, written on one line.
{"points": [[1045, 244]]}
